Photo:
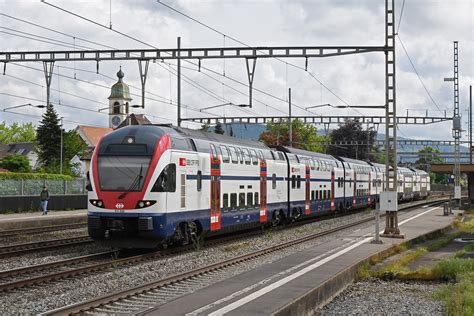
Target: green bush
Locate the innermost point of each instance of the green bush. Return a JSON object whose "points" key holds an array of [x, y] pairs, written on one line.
{"points": [[33, 176]]}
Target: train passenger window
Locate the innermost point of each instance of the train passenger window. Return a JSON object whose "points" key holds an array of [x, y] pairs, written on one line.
{"points": [[298, 181], [224, 153], [249, 198], [199, 180], [166, 181], [293, 181], [312, 195], [324, 195], [254, 156], [183, 190], [225, 202], [256, 201], [233, 155], [233, 200], [329, 194], [246, 156], [241, 200], [213, 151], [274, 181]]}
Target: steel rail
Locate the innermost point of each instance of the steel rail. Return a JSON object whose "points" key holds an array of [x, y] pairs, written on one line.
{"points": [[17, 249], [89, 305], [43, 229]]}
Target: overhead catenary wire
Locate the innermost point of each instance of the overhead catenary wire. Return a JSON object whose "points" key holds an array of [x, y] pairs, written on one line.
{"points": [[106, 87], [247, 45], [417, 74], [131, 37], [61, 44]]}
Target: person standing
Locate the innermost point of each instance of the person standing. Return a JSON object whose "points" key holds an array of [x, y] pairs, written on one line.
{"points": [[44, 197]]}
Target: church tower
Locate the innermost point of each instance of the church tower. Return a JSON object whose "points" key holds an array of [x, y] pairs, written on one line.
{"points": [[119, 101]]}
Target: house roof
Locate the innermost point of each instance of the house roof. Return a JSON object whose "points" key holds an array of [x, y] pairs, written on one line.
{"points": [[135, 119], [23, 148], [91, 135]]}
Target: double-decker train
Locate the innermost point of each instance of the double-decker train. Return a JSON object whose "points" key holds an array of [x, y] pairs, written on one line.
{"points": [[156, 185]]}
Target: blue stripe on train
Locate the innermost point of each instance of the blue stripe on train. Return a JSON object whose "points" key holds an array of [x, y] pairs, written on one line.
{"points": [[165, 223]]}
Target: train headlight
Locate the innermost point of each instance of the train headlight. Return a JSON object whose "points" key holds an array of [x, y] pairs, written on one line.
{"points": [[145, 203], [97, 203]]}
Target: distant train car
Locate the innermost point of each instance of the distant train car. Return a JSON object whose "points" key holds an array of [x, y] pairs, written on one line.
{"points": [[153, 185]]}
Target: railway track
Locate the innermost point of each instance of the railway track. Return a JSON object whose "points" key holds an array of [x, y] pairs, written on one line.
{"points": [[36, 230], [145, 297], [17, 249]]}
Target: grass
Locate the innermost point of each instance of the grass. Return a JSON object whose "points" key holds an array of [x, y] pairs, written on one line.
{"points": [[457, 294]]}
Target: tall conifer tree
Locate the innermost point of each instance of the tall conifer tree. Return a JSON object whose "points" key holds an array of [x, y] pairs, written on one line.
{"points": [[49, 138]]}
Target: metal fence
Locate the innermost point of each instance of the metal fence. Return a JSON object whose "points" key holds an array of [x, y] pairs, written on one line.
{"points": [[34, 187]]}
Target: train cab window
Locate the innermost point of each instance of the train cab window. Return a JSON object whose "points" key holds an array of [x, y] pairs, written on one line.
{"points": [[166, 181], [199, 180], [233, 155], [274, 181], [213, 151], [298, 181], [256, 201], [224, 153], [273, 155], [249, 198], [246, 156], [254, 156], [233, 200], [225, 202], [281, 156], [242, 200], [260, 155], [293, 181]]}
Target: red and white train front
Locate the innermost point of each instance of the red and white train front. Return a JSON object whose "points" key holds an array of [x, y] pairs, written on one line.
{"points": [[124, 184]]}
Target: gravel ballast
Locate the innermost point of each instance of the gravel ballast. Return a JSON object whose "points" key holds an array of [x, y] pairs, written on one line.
{"points": [[378, 297], [61, 293]]}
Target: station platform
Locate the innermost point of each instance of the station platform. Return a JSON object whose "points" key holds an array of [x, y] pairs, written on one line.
{"points": [[301, 282], [36, 219]]}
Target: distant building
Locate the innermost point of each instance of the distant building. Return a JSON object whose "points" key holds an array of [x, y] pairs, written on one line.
{"points": [[91, 136], [24, 148], [119, 116], [119, 101]]}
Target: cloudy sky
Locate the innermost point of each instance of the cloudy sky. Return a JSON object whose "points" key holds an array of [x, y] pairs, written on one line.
{"points": [[427, 30]]}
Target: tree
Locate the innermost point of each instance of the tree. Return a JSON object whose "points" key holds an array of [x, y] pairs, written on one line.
{"points": [[72, 145], [426, 157], [352, 131], [218, 129], [16, 133], [15, 163], [49, 138], [305, 136]]}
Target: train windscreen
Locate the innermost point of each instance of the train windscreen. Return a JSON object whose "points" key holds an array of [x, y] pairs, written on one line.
{"points": [[122, 173]]}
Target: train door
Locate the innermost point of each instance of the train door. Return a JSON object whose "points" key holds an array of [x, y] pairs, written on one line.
{"points": [[333, 190], [215, 190], [263, 189], [307, 210]]}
